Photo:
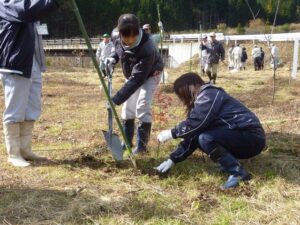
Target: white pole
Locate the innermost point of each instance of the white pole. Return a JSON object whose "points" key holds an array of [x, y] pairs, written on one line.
{"points": [[295, 60]]}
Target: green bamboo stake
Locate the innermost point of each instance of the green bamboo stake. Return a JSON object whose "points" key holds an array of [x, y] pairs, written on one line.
{"points": [[111, 104]]}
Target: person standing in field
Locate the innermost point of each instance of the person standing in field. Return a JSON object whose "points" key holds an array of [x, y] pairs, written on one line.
{"points": [[256, 55], [203, 54], [142, 66], [262, 59], [21, 64], [218, 124], [230, 58], [104, 50], [237, 55], [274, 56], [244, 59], [215, 52]]}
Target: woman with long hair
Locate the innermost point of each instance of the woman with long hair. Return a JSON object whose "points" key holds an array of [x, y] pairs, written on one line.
{"points": [[218, 124]]}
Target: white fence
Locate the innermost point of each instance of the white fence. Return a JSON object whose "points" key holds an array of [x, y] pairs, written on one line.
{"points": [[180, 50]]}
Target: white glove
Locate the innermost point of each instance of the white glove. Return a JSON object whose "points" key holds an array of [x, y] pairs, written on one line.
{"points": [[164, 136], [107, 106], [109, 62], [165, 166]]}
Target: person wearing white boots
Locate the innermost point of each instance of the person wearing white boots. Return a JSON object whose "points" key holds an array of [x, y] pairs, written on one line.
{"points": [[21, 65]]}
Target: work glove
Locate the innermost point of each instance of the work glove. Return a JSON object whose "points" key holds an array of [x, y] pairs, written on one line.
{"points": [[109, 63], [164, 136], [165, 166]]}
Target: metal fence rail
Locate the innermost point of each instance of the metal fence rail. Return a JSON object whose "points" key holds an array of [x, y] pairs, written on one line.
{"points": [[71, 41]]}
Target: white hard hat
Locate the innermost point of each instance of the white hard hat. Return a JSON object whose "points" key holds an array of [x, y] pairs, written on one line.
{"points": [[146, 26], [204, 36]]}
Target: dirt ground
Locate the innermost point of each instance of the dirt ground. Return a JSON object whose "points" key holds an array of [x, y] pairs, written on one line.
{"points": [[81, 183]]}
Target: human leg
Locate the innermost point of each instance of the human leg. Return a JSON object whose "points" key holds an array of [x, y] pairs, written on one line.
{"points": [[144, 112]]}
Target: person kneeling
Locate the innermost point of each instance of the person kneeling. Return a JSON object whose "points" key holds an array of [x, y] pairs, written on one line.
{"points": [[218, 124]]}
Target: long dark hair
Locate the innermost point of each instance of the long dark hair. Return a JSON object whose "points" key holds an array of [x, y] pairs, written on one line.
{"points": [[186, 88]]}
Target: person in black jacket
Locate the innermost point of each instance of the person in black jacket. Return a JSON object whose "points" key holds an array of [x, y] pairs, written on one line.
{"points": [[262, 59], [21, 65], [244, 59], [218, 124], [142, 66]]}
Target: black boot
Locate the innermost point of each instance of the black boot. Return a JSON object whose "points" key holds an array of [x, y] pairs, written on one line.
{"points": [[128, 126], [231, 165], [214, 77], [209, 75], [143, 135]]}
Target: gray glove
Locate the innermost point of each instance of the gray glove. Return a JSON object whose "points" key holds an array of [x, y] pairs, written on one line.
{"points": [[109, 64]]}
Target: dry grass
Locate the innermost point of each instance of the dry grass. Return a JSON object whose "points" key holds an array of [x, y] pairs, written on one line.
{"points": [[83, 185]]}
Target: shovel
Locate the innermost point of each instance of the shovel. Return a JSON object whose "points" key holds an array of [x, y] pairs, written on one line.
{"points": [[112, 140], [111, 104]]}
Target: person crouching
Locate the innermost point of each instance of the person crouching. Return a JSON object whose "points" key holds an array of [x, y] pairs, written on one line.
{"points": [[218, 124]]}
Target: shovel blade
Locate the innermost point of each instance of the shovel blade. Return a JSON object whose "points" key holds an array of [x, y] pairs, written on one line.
{"points": [[114, 145]]}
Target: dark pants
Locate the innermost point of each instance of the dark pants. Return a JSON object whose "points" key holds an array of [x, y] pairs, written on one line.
{"points": [[257, 63], [242, 144]]}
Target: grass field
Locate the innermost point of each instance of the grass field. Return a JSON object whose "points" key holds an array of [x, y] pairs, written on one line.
{"points": [[81, 184]]}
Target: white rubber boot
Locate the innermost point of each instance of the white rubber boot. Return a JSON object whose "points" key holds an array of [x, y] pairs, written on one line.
{"points": [[12, 142], [26, 129]]}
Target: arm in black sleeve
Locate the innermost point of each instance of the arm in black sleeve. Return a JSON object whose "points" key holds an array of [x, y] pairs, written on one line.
{"points": [[114, 54], [206, 108], [139, 75], [184, 150], [202, 47], [26, 11]]}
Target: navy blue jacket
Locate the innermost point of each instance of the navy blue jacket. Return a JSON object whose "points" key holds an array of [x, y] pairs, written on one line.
{"points": [[138, 64], [213, 108], [17, 37]]}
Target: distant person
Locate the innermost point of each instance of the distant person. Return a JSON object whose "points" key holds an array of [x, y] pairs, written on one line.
{"points": [[203, 53], [103, 52], [147, 28], [142, 67], [256, 55], [215, 52], [22, 62], [274, 56], [262, 59], [218, 124], [237, 55], [230, 58], [244, 59]]}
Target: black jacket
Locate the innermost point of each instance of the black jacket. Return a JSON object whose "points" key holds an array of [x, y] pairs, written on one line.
{"points": [[244, 56], [138, 64], [17, 37], [213, 108], [215, 52]]}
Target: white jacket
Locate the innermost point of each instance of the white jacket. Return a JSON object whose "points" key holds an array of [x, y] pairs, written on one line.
{"points": [[104, 50], [237, 52], [256, 52], [275, 51]]}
